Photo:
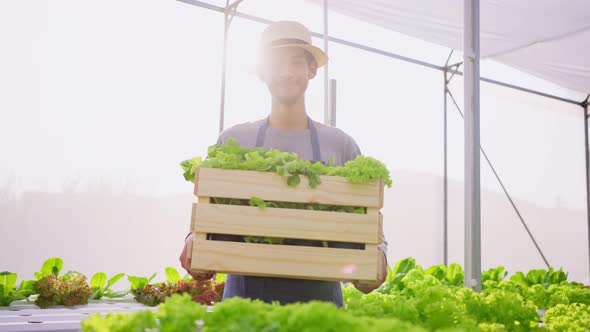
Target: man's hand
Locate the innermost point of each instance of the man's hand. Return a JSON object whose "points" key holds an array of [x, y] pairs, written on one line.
{"points": [[185, 261], [367, 288]]}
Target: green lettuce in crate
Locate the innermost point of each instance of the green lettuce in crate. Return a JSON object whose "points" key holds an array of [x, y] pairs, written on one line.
{"points": [[231, 156]]}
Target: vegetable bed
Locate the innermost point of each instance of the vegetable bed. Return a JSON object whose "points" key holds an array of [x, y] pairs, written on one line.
{"points": [[412, 299]]}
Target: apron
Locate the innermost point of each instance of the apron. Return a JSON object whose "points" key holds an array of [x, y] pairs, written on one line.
{"points": [[285, 290]]}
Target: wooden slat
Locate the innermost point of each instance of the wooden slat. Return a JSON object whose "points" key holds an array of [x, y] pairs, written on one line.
{"points": [[193, 217], [203, 200], [286, 223], [198, 237], [374, 212], [285, 261], [372, 248], [381, 193], [272, 187]]}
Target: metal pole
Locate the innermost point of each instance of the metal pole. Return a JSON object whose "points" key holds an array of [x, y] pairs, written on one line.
{"points": [[587, 175], [333, 102], [326, 73], [472, 145], [223, 70], [445, 181], [445, 175]]}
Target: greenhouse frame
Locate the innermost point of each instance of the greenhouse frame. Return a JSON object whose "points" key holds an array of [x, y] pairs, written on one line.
{"points": [[370, 13]]}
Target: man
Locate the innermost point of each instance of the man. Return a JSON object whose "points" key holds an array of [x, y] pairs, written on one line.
{"points": [[287, 61]]}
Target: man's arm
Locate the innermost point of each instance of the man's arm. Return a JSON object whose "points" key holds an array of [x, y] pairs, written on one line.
{"points": [[353, 152], [383, 245], [382, 273], [220, 139], [185, 258]]}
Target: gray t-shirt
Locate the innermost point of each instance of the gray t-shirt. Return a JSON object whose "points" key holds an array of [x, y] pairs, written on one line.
{"points": [[334, 144]]}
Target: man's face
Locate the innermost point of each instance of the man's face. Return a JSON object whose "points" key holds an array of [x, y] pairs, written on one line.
{"points": [[286, 73]]}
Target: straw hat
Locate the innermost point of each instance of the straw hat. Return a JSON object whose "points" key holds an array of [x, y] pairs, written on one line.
{"points": [[290, 34]]}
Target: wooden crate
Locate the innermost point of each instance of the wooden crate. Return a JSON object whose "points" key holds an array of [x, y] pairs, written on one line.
{"points": [[287, 261]]}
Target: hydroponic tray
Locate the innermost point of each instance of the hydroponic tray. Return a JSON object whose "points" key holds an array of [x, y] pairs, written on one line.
{"points": [[24, 316]]}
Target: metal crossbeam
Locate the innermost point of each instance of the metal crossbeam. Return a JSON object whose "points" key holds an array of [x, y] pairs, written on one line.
{"points": [[378, 51]]}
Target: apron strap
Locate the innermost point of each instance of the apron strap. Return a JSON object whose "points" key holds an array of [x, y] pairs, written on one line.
{"points": [[261, 133], [315, 143]]}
